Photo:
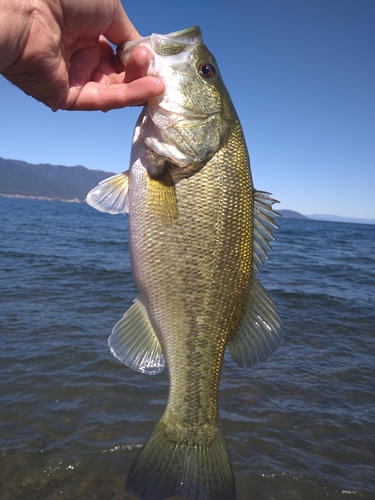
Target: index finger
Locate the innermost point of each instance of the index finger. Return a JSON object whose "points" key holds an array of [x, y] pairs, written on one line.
{"points": [[95, 96]]}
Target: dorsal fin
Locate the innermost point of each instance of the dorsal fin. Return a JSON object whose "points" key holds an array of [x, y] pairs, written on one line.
{"points": [[260, 331], [264, 226]]}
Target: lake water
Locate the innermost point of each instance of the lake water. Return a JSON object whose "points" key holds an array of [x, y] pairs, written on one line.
{"points": [[300, 426]]}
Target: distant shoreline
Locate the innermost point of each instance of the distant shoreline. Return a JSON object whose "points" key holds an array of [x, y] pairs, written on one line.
{"points": [[41, 198], [286, 214]]}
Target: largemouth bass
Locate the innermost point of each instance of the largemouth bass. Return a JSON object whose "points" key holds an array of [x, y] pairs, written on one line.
{"points": [[198, 232]]}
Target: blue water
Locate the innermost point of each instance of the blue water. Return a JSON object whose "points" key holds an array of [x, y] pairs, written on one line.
{"points": [[301, 426]]}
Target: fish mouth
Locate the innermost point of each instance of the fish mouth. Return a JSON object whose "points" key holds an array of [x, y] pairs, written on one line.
{"points": [[171, 51], [164, 45]]}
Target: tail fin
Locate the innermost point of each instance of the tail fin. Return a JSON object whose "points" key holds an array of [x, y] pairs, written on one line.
{"points": [[165, 469]]}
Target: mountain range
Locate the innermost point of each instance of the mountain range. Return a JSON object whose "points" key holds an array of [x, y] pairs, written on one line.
{"points": [[291, 214], [337, 218], [57, 182], [19, 178]]}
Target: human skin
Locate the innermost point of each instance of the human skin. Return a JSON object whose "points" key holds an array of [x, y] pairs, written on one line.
{"points": [[55, 51]]}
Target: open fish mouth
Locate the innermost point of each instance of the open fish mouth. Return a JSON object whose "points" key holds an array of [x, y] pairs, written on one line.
{"points": [[164, 45], [172, 117], [166, 51]]}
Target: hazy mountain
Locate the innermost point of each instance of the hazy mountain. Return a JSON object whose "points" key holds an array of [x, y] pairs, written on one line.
{"points": [[47, 181], [291, 214], [19, 178], [336, 218]]}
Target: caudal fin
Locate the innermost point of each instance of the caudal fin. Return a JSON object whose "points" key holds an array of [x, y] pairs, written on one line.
{"points": [[166, 468]]}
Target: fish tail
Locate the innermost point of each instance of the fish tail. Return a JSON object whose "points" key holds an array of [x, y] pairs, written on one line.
{"points": [[166, 468]]}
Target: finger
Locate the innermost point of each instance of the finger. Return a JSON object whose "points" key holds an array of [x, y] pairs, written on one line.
{"points": [[106, 49], [108, 54], [137, 64], [121, 29], [102, 78], [106, 74], [100, 96], [83, 62]]}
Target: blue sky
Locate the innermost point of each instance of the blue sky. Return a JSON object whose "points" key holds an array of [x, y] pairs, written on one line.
{"points": [[301, 74]]}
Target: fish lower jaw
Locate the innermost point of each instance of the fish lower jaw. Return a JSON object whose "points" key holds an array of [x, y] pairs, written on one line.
{"points": [[168, 114]]}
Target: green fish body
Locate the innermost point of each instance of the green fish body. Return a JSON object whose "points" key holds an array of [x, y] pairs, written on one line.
{"points": [[198, 232]]}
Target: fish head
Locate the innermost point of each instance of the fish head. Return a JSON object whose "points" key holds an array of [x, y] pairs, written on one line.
{"points": [[190, 121]]}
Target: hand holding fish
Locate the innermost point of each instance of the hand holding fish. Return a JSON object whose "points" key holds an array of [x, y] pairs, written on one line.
{"points": [[54, 52]]}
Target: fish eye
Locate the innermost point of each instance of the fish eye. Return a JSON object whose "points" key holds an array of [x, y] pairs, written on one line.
{"points": [[207, 70]]}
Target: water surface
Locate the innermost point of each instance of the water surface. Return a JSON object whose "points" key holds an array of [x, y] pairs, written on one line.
{"points": [[300, 426]]}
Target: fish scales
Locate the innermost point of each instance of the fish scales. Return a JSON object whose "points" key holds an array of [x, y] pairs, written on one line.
{"points": [[198, 232], [207, 254]]}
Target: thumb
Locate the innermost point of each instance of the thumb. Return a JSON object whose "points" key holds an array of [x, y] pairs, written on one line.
{"points": [[121, 30]]}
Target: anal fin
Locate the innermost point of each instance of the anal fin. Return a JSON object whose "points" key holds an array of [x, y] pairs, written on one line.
{"points": [[260, 332], [134, 342]]}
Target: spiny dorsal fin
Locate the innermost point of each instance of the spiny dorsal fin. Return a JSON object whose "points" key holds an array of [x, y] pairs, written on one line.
{"points": [[264, 225], [134, 342], [260, 331], [111, 195]]}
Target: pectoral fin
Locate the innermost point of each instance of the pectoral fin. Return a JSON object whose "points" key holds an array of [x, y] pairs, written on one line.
{"points": [[260, 332], [111, 195], [134, 342], [162, 199]]}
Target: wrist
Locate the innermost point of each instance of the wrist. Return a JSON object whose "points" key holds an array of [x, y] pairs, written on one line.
{"points": [[14, 23]]}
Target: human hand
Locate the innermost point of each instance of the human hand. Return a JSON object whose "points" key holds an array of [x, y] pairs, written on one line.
{"points": [[56, 54]]}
